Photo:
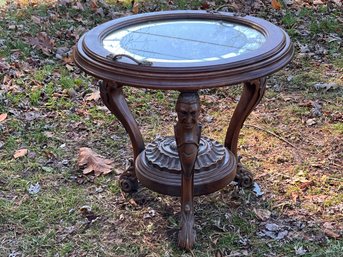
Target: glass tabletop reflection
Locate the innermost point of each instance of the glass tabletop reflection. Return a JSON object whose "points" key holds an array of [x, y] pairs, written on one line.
{"points": [[184, 41]]}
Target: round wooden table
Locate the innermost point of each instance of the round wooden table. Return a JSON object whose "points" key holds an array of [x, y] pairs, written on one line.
{"points": [[184, 51]]}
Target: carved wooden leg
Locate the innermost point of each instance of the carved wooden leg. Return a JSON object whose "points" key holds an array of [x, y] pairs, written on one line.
{"points": [[187, 135], [112, 95], [252, 94]]}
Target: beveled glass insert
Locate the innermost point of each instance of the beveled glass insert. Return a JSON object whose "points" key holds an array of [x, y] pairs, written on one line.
{"points": [[181, 41]]}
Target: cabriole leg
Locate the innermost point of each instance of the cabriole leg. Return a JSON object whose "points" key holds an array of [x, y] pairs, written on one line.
{"points": [[252, 94], [112, 95]]}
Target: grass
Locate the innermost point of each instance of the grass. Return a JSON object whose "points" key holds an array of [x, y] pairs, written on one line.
{"points": [[338, 128], [49, 115]]}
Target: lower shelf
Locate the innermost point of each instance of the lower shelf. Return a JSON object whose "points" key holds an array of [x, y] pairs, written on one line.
{"points": [[158, 167]]}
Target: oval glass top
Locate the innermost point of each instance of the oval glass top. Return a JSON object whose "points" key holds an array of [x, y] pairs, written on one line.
{"points": [[184, 41]]}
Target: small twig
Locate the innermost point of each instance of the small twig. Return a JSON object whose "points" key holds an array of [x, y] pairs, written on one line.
{"points": [[271, 133], [192, 253]]}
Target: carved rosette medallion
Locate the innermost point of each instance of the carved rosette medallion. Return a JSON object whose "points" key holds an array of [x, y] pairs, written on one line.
{"points": [[162, 154]]}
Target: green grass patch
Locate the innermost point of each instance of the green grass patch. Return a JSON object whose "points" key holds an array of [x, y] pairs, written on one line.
{"points": [[41, 74], [338, 128], [325, 25], [243, 224], [289, 20], [40, 216], [305, 80], [228, 240]]}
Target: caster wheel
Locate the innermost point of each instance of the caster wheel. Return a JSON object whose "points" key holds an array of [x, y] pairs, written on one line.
{"points": [[244, 178], [128, 185], [246, 181]]}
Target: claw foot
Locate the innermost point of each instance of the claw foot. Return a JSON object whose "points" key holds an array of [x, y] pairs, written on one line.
{"points": [[187, 234], [128, 184]]}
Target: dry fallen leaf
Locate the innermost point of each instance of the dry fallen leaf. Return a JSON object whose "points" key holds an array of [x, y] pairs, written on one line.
{"points": [[69, 67], [68, 60], [305, 185], [135, 8], [94, 162], [331, 234], [133, 202], [93, 5], [262, 214], [3, 116], [276, 4], [20, 153], [93, 96], [36, 19], [43, 42]]}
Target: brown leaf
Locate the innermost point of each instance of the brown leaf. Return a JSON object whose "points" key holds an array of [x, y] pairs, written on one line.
{"points": [[331, 234], [295, 197], [20, 153], [262, 214], [69, 67], [94, 162], [42, 42], [93, 5], [35, 19], [133, 202], [68, 60], [135, 8], [276, 4], [305, 185], [93, 96], [204, 5], [3, 116]]}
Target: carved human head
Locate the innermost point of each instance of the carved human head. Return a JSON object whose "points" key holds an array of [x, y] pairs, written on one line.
{"points": [[188, 109]]}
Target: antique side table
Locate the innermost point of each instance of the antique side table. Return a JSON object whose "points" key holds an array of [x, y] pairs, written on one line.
{"points": [[185, 51]]}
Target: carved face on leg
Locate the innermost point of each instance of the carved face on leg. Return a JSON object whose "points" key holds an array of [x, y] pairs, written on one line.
{"points": [[188, 109]]}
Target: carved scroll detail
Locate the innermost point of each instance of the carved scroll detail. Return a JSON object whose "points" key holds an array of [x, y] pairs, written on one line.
{"points": [[187, 135]]}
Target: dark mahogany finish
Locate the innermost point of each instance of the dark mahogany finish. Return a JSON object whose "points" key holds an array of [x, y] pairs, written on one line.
{"points": [[275, 53], [159, 167], [185, 165], [112, 95], [187, 136]]}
